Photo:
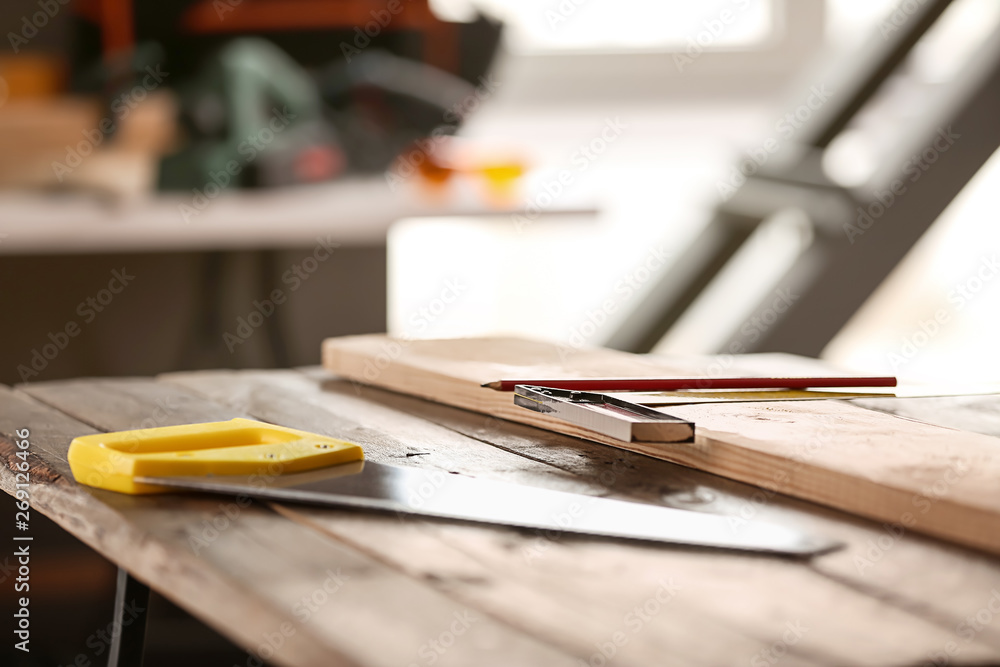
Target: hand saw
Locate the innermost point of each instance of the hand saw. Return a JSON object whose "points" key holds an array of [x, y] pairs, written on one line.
{"points": [[250, 458]]}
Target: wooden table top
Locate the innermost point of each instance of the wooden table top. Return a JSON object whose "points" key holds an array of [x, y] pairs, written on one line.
{"points": [[315, 586]]}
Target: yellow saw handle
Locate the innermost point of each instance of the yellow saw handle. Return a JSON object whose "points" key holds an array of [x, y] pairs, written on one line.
{"points": [[238, 447]]}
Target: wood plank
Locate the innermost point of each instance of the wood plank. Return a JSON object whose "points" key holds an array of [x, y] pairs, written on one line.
{"points": [[577, 591], [170, 567], [279, 396], [431, 436], [979, 414], [751, 598], [910, 573], [903, 568], [250, 572], [287, 397], [619, 473], [930, 578], [871, 464]]}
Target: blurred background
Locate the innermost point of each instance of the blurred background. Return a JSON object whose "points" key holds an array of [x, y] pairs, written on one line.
{"points": [[408, 150], [224, 183]]}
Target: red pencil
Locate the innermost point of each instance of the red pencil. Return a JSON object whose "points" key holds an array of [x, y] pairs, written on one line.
{"points": [[678, 384]]}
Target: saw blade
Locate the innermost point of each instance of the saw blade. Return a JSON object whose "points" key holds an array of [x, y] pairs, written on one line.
{"points": [[412, 491]]}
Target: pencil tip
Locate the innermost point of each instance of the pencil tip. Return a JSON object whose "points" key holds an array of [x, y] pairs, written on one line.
{"points": [[491, 385]]}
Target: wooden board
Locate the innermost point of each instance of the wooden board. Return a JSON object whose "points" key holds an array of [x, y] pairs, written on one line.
{"points": [[577, 591], [536, 600], [241, 568], [914, 477], [979, 414]]}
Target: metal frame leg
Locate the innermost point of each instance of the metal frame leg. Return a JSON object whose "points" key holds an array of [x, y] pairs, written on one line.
{"points": [[128, 636]]}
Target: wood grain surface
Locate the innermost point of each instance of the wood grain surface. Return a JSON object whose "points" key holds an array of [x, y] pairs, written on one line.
{"points": [[917, 476], [416, 592]]}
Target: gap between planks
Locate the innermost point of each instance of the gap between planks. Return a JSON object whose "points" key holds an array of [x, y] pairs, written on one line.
{"points": [[105, 528], [266, 388], [878, 465], [920, 594], [249, 550]]}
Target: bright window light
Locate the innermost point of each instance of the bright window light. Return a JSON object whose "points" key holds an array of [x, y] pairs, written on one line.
{"points": [[617, 25]]}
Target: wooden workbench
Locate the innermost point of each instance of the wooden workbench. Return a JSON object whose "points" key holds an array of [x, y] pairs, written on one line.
{"points": [[309, 586]]}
